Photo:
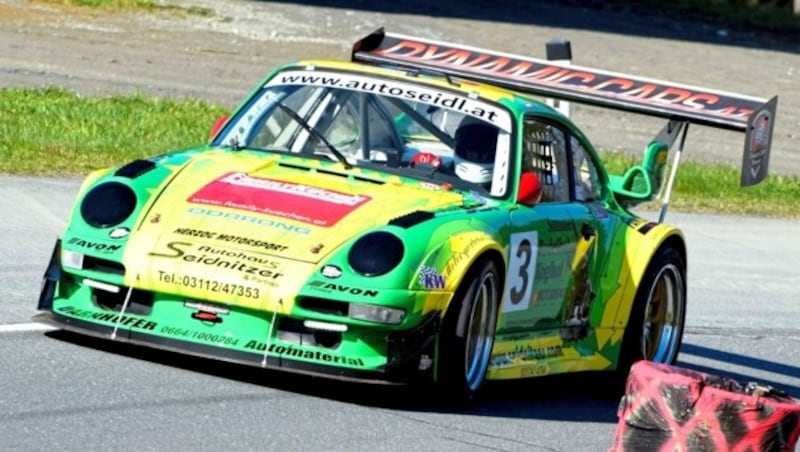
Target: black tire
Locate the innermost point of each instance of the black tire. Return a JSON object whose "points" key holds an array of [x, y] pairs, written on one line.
{"points": [[467, 336], [655, 327]]}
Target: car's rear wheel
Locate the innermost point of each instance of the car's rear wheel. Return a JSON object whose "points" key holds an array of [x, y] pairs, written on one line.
{"points": [[655, 327], [467, 336]]}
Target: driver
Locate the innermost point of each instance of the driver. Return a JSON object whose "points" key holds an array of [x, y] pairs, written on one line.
{"points": [[475, 146]]}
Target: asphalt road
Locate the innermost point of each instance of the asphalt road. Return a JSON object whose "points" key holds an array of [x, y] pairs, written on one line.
{"points": [[58, 391]]}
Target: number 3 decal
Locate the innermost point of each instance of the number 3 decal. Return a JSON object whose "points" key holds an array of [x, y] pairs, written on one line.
{"points": [[521, 271]]}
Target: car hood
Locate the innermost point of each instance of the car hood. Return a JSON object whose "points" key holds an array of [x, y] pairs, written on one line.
{"points": [[224, 215]]}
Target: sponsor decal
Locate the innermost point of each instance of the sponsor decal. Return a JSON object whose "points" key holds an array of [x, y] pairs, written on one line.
{"points": [[183, 333], [230, 238], [316, 355], [583, 82], [426, 159], [430, 186], [266, 222], [104, 248], [553, 269], [429, 278], [661, 157], [537, 370], [560, 226], [207, 313], [210, 285], [195, 233], [298, 202], [118, 233], [759, 136], [555, 294], [324, 286], [458, 257], [127, 320], [417, 93], [331, 271], [527, 353], [210, 256]]}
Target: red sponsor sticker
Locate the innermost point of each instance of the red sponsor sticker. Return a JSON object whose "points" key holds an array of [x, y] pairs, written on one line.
{"points": [[305, 203]]}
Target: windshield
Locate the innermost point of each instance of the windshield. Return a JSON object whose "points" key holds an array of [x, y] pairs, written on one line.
{"points": [[409, 130]]}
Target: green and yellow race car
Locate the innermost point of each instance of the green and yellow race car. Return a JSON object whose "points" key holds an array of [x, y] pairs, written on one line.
{"points": [[412, 215]]}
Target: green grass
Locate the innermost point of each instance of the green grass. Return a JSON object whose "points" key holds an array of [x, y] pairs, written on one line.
{"points": [[55, 132], [135, 5], [714, 188]]}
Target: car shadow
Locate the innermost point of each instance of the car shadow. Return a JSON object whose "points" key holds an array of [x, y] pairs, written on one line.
{"points": [[577, 398], [757, 364], [581, 397], [646, 19]]}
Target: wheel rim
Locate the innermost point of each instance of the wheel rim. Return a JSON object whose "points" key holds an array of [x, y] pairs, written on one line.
{"points": [[480, 331], [663, 321]]}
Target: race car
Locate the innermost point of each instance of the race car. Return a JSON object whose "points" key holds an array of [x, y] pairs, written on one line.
{"points": [[418, 214]]}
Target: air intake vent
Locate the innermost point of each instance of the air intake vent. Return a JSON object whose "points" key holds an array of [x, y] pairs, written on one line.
{"points": [[135, 169], [412, 219]]}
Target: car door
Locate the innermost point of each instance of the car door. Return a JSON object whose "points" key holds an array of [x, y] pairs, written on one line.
{"points": [[543, 239], [594, 226]]}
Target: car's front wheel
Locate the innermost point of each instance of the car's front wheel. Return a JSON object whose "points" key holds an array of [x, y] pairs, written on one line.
{"points": [[655, 327], [467, 336]]}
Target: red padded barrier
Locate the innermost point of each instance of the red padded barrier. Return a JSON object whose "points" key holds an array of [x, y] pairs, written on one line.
{"points": [[668, 408]]}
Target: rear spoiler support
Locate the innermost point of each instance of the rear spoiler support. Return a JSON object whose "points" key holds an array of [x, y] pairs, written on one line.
{"points": [[667, 136], [553, 79]]}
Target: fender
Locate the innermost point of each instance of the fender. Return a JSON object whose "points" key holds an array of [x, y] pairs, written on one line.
{"points": [[443, 270], [643, 239]]}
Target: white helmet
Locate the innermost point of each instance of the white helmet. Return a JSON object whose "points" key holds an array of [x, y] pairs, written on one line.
{"points": [[475, 146]]}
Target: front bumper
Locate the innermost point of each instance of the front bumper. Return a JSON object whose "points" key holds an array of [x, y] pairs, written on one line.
{"points": [[401, 368], [238, 335], [407, 349]]}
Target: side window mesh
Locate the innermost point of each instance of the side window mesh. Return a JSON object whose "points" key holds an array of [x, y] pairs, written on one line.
{"points": [[546, 156]]}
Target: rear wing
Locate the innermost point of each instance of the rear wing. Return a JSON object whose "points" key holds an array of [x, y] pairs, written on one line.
{"points": [[677, 102]]}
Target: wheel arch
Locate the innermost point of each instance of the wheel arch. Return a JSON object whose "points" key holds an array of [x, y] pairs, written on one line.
{"points": [[665, 345], [654, 241], [454, 259], [487, 254]]}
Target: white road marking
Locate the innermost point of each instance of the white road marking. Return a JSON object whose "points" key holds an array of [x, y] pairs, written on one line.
{"points": [[25, 327]]}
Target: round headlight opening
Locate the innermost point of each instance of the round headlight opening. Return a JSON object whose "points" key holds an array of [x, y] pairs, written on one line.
{"points": [[376, 253], [108, 204]]}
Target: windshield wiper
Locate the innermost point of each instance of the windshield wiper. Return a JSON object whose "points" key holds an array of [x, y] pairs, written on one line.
{"points": [[339, 156], [234, 144]]}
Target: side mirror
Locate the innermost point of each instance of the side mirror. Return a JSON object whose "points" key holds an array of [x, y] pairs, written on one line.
{"points": [[217, 126], [636, 184], [641, 183], [530, 189]]}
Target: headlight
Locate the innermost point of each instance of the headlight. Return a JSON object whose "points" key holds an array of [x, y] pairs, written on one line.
{"points": [[108, 204], [374, 313], [71, 259], [376, 253]]}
